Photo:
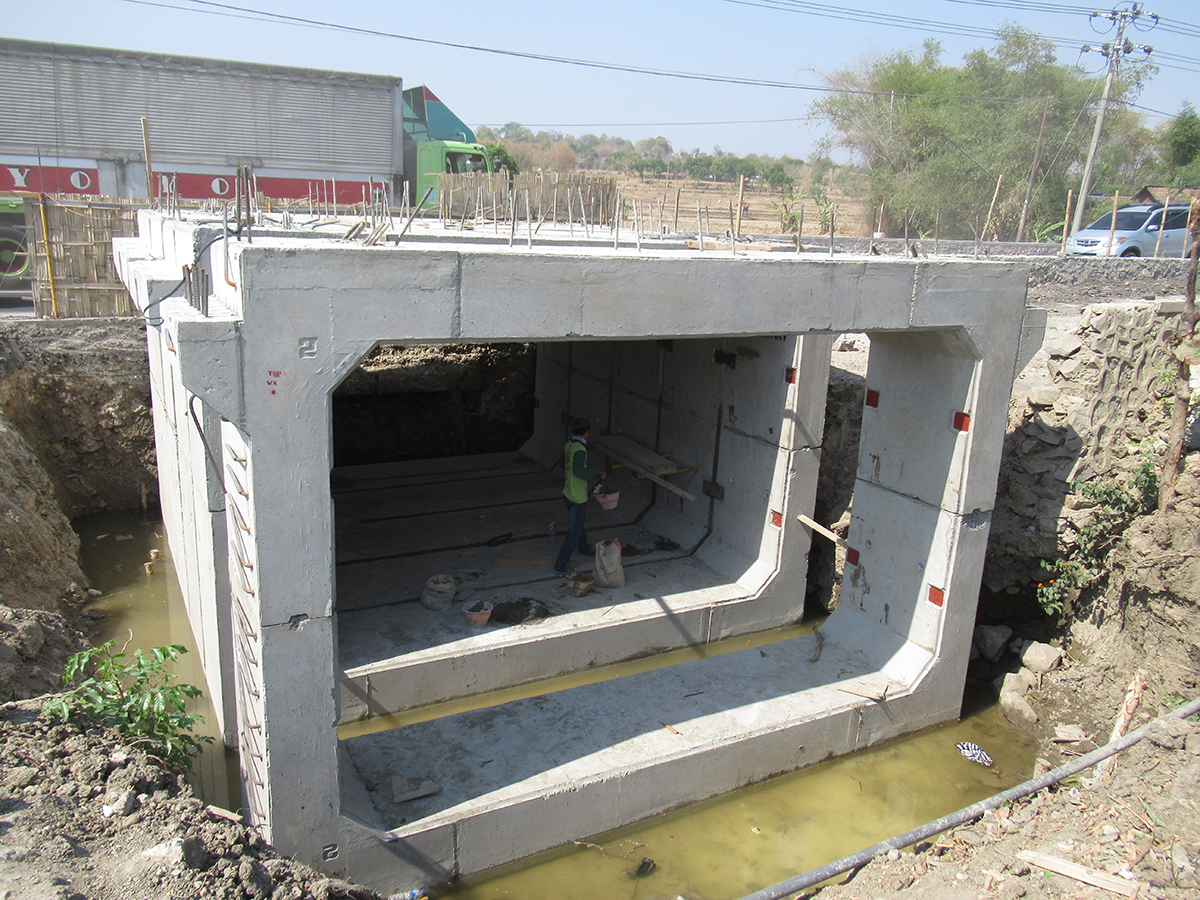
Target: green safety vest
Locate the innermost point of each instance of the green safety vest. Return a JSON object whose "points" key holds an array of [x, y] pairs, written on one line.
{"points": [[574, 486]]}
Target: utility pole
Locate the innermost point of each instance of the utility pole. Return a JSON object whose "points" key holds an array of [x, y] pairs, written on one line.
{"points": [[1119, 48]]}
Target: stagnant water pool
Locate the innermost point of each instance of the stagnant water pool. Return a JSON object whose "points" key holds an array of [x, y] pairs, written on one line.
{"points": [[722, 848]]}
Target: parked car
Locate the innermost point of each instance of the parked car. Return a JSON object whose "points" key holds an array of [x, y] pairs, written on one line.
{"points": [[1136, 234]]}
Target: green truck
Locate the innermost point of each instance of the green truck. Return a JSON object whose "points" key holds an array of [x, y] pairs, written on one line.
{"points": [[15, 262], [436, 141]]}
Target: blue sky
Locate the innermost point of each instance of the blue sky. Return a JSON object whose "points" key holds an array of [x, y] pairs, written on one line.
{"points": [[772, 40]]}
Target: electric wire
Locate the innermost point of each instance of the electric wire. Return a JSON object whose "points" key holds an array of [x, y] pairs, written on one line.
{"points": [[234, 11]]}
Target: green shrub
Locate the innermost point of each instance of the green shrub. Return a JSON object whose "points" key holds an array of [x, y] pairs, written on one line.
{"points": [[136, 696]]}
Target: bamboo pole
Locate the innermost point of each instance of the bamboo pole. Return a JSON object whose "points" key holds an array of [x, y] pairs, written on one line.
{"points": [[1112, 228], [1162, 225], [737, 231], [1067, 220], [617, 226], [49, 258], [149, 165], [991, 209]]}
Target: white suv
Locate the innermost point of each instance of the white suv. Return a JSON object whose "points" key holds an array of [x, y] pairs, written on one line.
{"points": [[1137, 233]]}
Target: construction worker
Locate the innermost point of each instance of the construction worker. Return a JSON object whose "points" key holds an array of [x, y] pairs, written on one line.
{"points": [[576, 476]]}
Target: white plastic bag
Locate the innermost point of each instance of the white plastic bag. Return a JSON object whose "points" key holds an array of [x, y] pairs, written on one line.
{"points": [[609, 571]]}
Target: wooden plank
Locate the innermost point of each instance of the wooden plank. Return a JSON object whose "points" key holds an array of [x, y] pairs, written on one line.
{"points": [[645, 473], [1081, 873], [632, 452], [821, 530], [670, 487]]}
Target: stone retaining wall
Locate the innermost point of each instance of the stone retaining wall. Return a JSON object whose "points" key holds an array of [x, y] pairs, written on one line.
{"points": [[1076, 270], [1100, 416]]}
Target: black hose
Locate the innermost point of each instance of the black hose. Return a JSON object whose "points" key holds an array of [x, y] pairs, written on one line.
{"points": [[966, 814]]}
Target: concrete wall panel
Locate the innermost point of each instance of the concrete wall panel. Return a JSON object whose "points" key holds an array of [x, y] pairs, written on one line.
{"points": [[300, 312], [909, 442]]}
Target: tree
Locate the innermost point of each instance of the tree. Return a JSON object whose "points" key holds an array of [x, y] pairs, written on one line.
{"points": [[936, 139], [501, 159], [561, 158], [777, 177], [1181, 140], [654, 148]]}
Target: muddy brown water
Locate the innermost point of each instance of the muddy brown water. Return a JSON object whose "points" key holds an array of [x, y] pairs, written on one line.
{"points": [[143, 611], [726, 847]]}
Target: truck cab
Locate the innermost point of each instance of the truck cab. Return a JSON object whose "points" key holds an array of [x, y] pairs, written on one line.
{"points": [[434, 158]]}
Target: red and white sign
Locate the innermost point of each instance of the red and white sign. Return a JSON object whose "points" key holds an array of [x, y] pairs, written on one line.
{"points": [[195, 186], [50, 179]]}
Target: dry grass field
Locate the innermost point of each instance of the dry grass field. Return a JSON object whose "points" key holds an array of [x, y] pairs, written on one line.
{"points": [[716, 200]]}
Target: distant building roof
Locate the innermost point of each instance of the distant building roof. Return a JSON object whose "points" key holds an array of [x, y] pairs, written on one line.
{"points": [[1157, 194]]}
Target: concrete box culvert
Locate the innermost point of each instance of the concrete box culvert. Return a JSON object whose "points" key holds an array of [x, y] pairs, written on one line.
{"points": [[720, 361]]}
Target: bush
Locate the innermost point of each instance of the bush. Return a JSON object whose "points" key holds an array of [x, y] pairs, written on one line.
{"points": [[135, 696]]}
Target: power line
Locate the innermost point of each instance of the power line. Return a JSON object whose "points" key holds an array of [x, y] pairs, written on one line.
{"points": [[656, 124], [233, 11], [243, 12]]}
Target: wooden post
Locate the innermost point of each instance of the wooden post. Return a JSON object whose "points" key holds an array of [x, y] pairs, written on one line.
{"points": [[831, 227], [678, 191], [800, 230], [617, 225], [528, 220], [1112, 228], [995, 196], [700, 229], [49, 256], [1037, 155], [1067, 220], [1162, 225], [1193, 215], [937, 224], [149, 166], [737, 231]]}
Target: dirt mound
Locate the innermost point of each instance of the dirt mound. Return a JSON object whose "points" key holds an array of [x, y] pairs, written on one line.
{"points": [[85, 817], [39, 552], [34, 648]]}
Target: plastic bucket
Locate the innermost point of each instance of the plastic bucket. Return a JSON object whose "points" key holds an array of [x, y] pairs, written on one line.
{"points": [[609, 500], [477, 611], [439, 593]]}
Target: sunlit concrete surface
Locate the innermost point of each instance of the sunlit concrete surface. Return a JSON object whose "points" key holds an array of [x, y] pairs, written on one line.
{"points": [[304, 595]]}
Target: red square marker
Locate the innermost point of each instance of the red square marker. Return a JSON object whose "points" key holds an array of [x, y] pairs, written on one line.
{"points": [[962, 421], [851, 556], [789, 374], [872, 397], [936, 595], [777, 519]]}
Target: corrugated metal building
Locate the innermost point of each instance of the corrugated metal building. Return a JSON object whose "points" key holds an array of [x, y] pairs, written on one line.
{"points": [[73, 122]]}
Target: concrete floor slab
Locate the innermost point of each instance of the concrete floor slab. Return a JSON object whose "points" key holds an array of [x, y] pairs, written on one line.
{"points": [[526, 759]]}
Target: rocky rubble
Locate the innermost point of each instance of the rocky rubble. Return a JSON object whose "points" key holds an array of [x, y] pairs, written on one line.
{"points": [[82, 816]]}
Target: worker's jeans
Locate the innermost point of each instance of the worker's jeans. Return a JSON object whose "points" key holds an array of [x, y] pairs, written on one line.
{"points": [[576, 538]]}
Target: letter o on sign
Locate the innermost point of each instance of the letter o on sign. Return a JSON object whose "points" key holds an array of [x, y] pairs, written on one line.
{"points": [[220, 186], [81, 179]]}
